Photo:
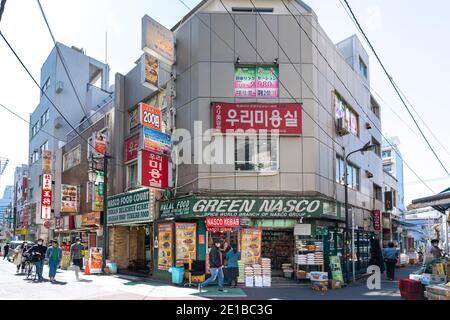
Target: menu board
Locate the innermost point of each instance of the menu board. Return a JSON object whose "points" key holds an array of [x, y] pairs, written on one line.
{"points": [[69, 198], [186, 244], [251, 241], [164, 246]]}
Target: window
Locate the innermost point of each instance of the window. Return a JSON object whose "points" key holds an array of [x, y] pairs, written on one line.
{"points": [[31, 193], [45, 117], [132, 175], [43, 148], [362, 68], [387, 153], [377, 192], [375, 107], [347, 121], [45, 86], [35, 129], [72, 158], [35, 156], [256, 153], [377, 149], [353, 177], [387, 167]]}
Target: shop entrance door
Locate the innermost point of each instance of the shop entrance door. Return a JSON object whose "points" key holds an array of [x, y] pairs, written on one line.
{"points": [[278, 246]]}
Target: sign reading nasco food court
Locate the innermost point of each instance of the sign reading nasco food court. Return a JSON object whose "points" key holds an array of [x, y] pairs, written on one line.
{"points": [[131, 207], [261, 207]]}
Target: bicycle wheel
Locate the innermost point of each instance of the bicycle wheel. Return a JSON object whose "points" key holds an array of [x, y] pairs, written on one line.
{"points": [[28, 269], [33, 272]]}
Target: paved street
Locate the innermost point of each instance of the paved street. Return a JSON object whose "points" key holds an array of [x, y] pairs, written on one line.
{"points": [[15, 287]]}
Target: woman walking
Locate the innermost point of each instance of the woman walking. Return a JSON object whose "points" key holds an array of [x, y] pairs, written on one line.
{"points": [[54, 256], [233, 256], [18, 257]]}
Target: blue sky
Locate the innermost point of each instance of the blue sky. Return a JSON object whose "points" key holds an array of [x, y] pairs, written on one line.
{"points": [[411, 40]]}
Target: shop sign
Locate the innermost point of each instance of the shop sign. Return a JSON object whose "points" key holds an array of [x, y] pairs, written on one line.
{"points": [[153, 170], [133, 118], [388, 201], [256, 82], [261, 207], [90, 219], [69, 198], [164, 246], [97, 201], [47, 160], [46, 197], [251, 242], [150, 117], [101, 143], [377, 220], [157, 141], [132, 207], [150, 72], [186, 244], [284, 119], [131, 148], [157, 40], [222, 222]]}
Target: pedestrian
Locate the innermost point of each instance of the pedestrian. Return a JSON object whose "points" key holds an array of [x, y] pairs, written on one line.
{"points": [[18, 257], [215, 267], [233, 256], [391, 256], [54, 256], [76, 253], [6, 251], [435, 250], [37, 255]]}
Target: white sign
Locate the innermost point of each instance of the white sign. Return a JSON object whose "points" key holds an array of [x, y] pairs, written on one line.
{"points": [[157, 40], [302, 230]]}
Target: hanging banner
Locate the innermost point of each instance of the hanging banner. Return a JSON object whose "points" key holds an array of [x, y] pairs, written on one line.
{"points": [[245, 82], [101, 143], [164, 246], [150, 72], [46, 198], [284, 119], [150, 117], [186, 244], [95, 260], [267, 82], [153, 170], [377, 220], [97, 201], [251, 242], [157, 40], [156, 141], [47, 161], [131, 148], [69, 198], [256, 82]]}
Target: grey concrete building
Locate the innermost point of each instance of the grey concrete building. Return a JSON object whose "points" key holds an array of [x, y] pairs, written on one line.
{"points": [[20, 202], [48, 129]]}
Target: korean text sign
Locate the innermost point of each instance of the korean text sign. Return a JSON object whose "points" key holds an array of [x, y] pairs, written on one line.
{"points": [[256, 81], [285, 119], [131, 148], [154, 170]]}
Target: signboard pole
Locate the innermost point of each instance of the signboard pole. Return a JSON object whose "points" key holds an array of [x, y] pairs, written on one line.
{"points": [[105, 214]]}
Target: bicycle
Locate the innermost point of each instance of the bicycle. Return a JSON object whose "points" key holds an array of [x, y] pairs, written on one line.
{"points": [[30, 270]]}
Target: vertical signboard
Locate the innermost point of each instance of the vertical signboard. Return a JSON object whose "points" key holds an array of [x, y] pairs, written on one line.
{"points": [[157, 40], [101, 143], [186, 244], [150, 72], [377, 220], [69, 198], [150, 117], [164, 246], [47, 157], [156, 141], [131, 148], [97, 201], [95, 260], [46, 199], [388, 201], [251, 242], [153, 170], [336, 268]]}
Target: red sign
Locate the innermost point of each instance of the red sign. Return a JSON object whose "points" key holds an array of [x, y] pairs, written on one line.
{"points": [[223, 222], [131, 148], [154, 170], [46, 199], [47, 224], [377, 220], [285, 118], [150, 117], [101, 143]]}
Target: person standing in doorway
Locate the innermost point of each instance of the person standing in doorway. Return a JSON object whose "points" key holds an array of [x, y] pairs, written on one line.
{"points": [[215, 266], [391, 256], [37, 255], [6, 251], [54, 256], [233, 256], [76, 253]]}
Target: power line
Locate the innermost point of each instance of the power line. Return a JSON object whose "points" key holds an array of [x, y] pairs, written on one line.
{"points": [[348, 90], [393, 84], [42, 91], [63, 61]]}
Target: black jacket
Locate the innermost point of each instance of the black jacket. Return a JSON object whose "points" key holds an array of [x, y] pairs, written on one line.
{"points": [[214, 258], [40, 250]]}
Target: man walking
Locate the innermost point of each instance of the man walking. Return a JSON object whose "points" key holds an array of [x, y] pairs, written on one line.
{"points": [[215, 266], [76, 255], [6, 251], [391, 256], [37, 256]]}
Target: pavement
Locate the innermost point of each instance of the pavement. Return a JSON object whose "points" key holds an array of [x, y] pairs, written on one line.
{"points": [[121, 287]]}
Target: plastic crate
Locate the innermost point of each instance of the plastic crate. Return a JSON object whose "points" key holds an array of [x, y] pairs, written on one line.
{"points": [[410, 289]]}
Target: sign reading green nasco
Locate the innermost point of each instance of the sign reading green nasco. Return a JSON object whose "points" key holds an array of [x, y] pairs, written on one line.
{"points": [[261, 207], [132, 207]]}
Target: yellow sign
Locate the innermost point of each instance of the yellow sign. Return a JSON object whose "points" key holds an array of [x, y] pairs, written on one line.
{"points": [[251, 242], [186, 244]]}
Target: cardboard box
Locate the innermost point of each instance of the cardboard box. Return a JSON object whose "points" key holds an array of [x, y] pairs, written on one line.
{"points": [[336, 284]]}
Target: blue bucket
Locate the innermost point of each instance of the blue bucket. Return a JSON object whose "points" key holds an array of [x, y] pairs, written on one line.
{"points": [[177, 275]]}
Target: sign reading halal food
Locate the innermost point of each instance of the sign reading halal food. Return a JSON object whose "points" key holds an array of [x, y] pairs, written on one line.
{"points": [[46, 199], [284, 118], [261, 207], [157, 40], [150, 117], [154, 170]]}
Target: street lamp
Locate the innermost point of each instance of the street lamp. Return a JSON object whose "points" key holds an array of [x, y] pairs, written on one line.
{"points": [[368, 146]]}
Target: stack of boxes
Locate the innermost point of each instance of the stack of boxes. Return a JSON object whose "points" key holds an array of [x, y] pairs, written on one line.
{"points": [[249, 276], [257, 271], [266, 272]]}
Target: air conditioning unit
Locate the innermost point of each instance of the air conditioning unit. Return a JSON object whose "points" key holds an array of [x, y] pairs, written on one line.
{"points": [[340, 127], [59, 86]]}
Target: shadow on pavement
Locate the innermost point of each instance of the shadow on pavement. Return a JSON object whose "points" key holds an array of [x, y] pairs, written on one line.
{"points": [[59, 283]]}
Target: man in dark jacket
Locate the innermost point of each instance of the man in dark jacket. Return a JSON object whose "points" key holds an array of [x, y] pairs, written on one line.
{"points": [[37, 255], [6, 251], [215, 267]]}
